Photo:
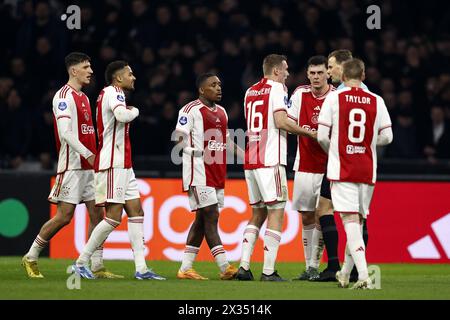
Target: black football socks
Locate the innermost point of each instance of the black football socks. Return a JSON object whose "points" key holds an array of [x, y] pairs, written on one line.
{"points": [[331, 239]]}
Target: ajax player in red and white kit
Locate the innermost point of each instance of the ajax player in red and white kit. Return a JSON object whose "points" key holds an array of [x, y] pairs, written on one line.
{"points": [[265, 160], [310, 162], [116, 187], [359, 122], [76, 145], [203, 125]]}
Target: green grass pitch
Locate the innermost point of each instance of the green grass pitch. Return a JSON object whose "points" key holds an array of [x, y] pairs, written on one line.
{"points": [[398, 281]]}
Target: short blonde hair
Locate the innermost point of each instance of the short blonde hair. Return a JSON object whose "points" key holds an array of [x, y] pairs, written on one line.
{"points": [[272, 61], [353, 69]]}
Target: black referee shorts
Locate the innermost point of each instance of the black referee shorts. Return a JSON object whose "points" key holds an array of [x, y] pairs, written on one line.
{"points": [[325, 190]]}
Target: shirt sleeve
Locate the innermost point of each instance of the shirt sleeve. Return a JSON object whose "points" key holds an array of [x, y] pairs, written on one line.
{"points": [[66, 133], [63, 108], [384, 119], [226, 116], [185, 122], [279, 98], [323, 137], [114, 100], [294, 105], [325, 115]]}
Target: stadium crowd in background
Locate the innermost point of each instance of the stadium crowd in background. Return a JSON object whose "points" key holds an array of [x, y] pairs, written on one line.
{"points": [[170, 43]]}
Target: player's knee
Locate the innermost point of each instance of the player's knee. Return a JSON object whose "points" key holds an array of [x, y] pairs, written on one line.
{"points": [[64, 220], [198, 224], [210, 214], [95, 220], [350, 218], [280, 205], [211, 220], [63, 216], [259, 220], [308, 218], [325, 208]]}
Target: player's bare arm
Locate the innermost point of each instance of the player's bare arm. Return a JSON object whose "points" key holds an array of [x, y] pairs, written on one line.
{"points": [[284, 123]]}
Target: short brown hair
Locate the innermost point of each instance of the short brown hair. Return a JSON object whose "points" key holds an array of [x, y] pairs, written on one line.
{"points": [[353, 69], [74, 58], [272, 61], [341, 55], [317, 61]]}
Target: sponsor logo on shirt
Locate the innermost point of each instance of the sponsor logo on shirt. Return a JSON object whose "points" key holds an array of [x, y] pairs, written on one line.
{"points": [[213, 145], [355, 149], [254, 138], [307, 127], [120, 98], [85, 129], [315, 116], [62, 106], [183, 120]]}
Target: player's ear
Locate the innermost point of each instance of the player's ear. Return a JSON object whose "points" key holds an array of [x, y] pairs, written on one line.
{"points": [[363, 77], [276, 71], [72, 71]]}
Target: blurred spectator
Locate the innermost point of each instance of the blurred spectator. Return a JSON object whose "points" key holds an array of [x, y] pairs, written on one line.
{"points": [[169, 43], [439, 136], [15, 131], [404, 145]]}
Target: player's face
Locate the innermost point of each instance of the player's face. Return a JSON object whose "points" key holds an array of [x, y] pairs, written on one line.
{"points": [[82, 72], [318, 76], [282, 72], [334, 70], [127, 78], [212, 89]]}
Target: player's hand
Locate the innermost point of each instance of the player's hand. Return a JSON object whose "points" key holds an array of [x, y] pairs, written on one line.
{"points": [[313, 135], [91, 160], [135, 110]]}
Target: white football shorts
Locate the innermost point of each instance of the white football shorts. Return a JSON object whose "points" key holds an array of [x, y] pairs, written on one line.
{"points": [[73, 186], [306, 191], [204, 196], [266, 186], [351, 197], [115, 185]]}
